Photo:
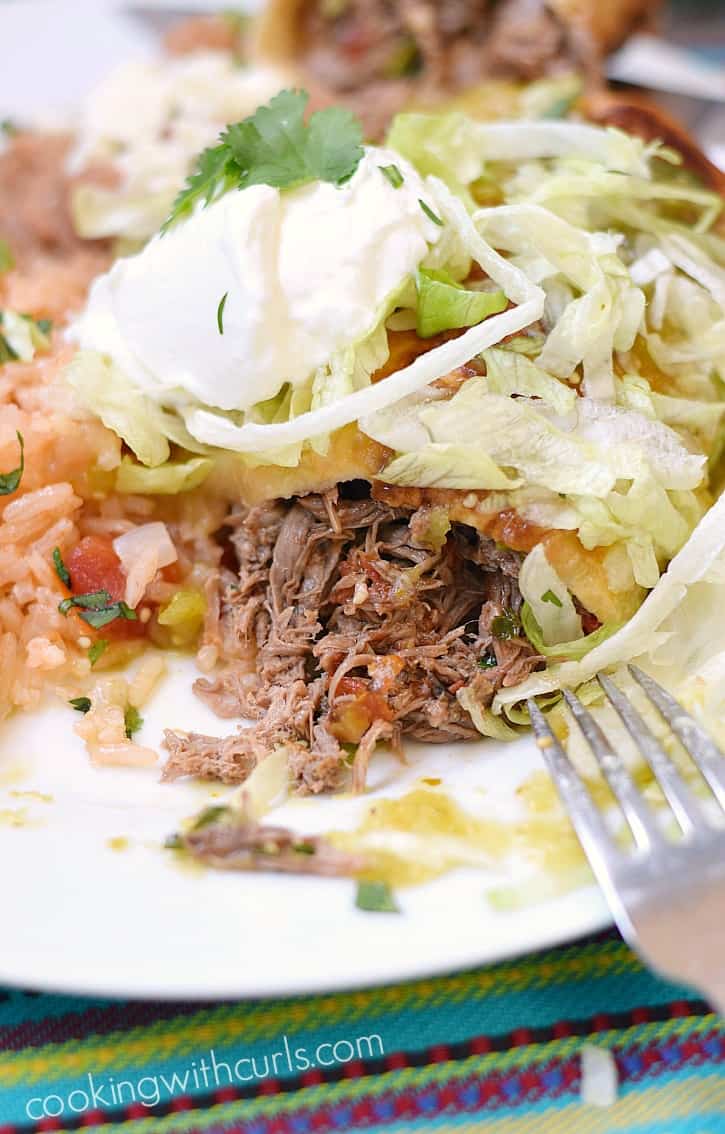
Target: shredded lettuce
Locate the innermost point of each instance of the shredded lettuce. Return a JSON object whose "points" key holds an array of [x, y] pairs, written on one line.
{"points": [[445, 305], [447, 466], [487, 723], [509, 372], [105, 390], [548, 600], [586, 456], [605, 315], [677, 631], [571, 651], [455, 148], [167, 479]]}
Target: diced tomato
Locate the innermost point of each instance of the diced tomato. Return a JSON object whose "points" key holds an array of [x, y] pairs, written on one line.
{"points": [[94, 566], [350, 720], [514, 531]]}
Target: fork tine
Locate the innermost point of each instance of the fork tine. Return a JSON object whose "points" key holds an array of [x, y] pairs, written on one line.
{"points": [[690, 815], [639, 816], [587, 820], [702, 750]]}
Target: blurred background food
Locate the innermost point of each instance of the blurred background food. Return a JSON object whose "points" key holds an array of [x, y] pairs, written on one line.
{"points": [[380, 56]]}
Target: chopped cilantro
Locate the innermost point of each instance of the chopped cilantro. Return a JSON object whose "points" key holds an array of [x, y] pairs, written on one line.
{"points": [[102, 617], [45, 326], [132, 720], [9, 481], [430, 214], [60, 568], [303, 848], [92, 600], [393, 175], [488, 661], [96, 651], [376, 897], [275, 146], [81, 704], [208, 816], [549, 596], [7, 260], [97, 609], [7, 352], [220, 312], [506, 625]]}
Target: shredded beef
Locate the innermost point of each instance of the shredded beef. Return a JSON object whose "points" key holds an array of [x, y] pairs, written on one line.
{"points": [[351, 622], [229, 839], [378, 55]]}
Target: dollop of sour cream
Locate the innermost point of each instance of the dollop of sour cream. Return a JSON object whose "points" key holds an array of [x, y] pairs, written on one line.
{"points": [[261, 287]]}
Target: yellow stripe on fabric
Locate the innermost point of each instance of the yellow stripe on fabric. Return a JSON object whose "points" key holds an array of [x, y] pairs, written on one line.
{"points": [[147, 1050], [228, 1023], [671, 1102]]}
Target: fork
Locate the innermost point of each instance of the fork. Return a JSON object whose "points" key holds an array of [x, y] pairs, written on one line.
{"points": [[667, 895]]}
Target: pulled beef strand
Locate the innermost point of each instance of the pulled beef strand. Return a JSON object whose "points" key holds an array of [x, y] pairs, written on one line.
{"points": [[348, 624]]}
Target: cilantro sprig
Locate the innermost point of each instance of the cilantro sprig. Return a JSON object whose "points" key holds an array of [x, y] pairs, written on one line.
{"points": [[275, 146]]}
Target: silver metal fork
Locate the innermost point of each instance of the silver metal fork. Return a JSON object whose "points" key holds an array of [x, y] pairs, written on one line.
{"points": [[667, 895]]}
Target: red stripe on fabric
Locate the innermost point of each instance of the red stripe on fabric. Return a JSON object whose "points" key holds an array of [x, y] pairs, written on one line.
{"points": [[439, 1053], [312, 1078], [269, 1087], [100, 1020], [396, 1061], [226, 1095]]}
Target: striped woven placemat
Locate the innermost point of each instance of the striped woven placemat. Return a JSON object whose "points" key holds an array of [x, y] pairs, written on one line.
{"points": [[494, 1049]]}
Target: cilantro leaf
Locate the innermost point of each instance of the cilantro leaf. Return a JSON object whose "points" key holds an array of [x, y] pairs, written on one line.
{"points": [[506, 626], [7, 260], [96, 608], [393, 175], [10, 481], [132, 720], [334, 145], [209, 180], [429, 213], [376, 897], [101, 617], [220, 312], [275, 146], [269, 146], [60, 568], [81, 704], [93, 600], [549, 596], [96, 650]]}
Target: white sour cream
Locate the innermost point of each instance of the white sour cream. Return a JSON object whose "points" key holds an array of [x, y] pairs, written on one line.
{"points": [[305, 273]]}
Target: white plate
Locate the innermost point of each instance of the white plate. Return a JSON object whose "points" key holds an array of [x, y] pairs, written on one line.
{"points": [[80, 917], [85, 918]]}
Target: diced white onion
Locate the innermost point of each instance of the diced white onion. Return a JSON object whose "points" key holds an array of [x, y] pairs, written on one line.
{"points": [[143, 551]]}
